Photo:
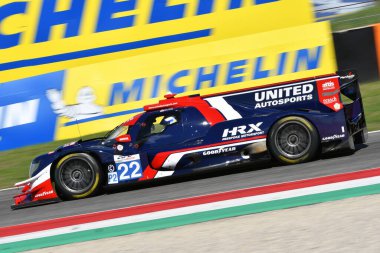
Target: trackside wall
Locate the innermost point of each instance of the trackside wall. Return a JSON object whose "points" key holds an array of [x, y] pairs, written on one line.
{"points": [[97, 62]]}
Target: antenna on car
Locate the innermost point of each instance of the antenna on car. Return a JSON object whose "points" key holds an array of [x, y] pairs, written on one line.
{"points": [[80, 135]]}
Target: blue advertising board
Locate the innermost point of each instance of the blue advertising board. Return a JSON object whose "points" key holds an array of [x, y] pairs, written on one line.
{"points": [[26, 116]]}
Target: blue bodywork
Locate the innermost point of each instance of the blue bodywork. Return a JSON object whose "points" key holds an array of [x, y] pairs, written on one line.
{"points": [[193, 143]]}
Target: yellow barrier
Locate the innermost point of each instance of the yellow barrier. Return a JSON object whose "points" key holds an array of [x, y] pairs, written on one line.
{"points": [[42, 36], [124, 86], [119, 55]]}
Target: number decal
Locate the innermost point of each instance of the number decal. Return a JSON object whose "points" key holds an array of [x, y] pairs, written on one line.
{"points": [[128, 168], [123, 167], [137, 169]]}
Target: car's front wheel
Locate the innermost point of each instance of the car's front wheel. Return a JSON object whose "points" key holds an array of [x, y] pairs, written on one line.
{"points": [[77, 176], [293, 140]]}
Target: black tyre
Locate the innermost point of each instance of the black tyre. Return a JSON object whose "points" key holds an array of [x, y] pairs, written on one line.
{"points": [[77, 176], [293, 140]]}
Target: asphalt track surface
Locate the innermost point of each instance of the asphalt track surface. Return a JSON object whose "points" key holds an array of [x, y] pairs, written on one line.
{"points": [[366, 157]]}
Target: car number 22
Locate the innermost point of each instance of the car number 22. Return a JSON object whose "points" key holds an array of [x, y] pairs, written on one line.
{"points": [[129, 170], [125, 171]]}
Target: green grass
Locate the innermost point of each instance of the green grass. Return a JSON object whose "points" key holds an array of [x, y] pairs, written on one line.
{"points": [[14, 164], [361, 18], [371, 99]]}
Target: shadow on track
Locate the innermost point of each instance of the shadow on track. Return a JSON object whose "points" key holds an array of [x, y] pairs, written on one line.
{"points": [[202, 174], [212, 173], [220, 172]]}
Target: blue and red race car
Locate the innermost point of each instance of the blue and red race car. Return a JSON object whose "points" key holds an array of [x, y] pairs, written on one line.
{"points": [[291, 122]]}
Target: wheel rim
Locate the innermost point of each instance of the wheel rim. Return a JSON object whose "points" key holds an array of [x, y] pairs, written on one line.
{"points": [[76, 176], [293, 140]]}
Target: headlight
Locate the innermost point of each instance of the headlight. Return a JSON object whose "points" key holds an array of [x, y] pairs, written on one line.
{"points": [[33, 167]]}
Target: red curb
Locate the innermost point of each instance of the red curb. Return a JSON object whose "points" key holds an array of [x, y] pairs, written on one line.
{"points": [[154, 207]]}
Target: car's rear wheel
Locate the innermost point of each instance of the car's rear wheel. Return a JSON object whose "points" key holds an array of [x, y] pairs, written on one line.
{"points": [[293, 140], [77, 176]]}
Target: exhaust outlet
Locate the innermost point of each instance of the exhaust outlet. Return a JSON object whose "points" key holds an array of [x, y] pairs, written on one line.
{"points": [[253, 149]]}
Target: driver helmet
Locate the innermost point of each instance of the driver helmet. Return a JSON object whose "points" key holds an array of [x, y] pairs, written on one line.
{"points": [[169, 121]]}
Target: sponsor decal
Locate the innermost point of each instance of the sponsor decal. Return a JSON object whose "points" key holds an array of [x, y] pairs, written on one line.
{"points": [[84, 108], [243, 131], [349, 76], [119, 147], [111, 168], [167, 110], [328, 86], [328, 93], [120, 158], [41, 32], [25, 115], [237, 72], [333, 137], [69, 144], [282, 96], [136, 15], [219, 151], [19, 113], [124, 138], [155, 107], [337, 106], [43, 194], [329, 100], [122, 93]]}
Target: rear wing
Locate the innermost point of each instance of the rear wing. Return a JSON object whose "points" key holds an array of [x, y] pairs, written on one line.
{"points": [[352, 100], [349, 84]]}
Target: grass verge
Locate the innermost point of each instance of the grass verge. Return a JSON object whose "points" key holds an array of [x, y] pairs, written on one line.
{"points": [[371, 98], [14, 164], [364, 17]]}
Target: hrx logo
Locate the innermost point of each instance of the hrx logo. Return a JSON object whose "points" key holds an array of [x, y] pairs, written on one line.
{"points": [[243, 130]]}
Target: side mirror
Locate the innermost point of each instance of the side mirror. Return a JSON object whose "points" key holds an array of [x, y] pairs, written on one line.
{"points": [[125, 138]]}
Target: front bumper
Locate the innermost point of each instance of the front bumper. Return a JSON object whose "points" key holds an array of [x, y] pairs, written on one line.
{"points": [[37, 190], [35, 203]]}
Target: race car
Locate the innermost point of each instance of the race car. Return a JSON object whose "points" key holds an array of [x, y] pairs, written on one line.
{"points": [[291, 122]]}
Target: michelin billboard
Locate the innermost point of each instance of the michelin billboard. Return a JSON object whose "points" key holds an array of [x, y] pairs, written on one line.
{"points": [[104, 60], [26, 117]]}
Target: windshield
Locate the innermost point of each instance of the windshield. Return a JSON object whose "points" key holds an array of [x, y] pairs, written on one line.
{"points": [[116, 132]]}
